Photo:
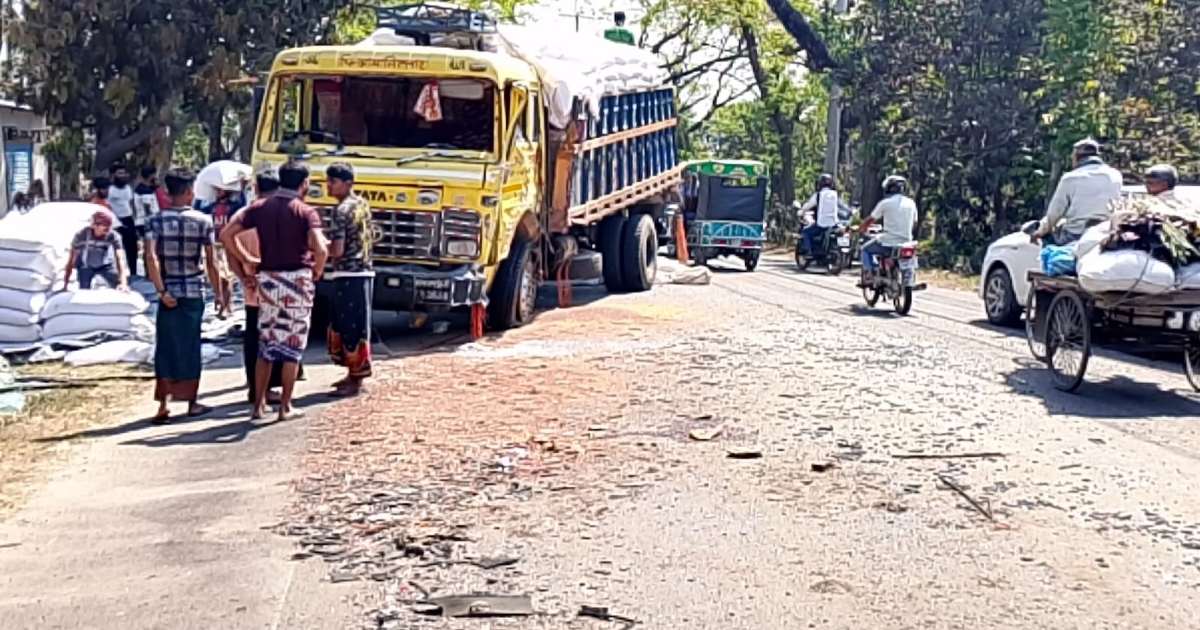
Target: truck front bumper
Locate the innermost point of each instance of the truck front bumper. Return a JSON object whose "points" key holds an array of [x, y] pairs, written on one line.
{"points": [[417, 288]]}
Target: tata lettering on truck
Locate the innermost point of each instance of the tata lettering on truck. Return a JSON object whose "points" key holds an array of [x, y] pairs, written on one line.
{"points": [[493, 157]]}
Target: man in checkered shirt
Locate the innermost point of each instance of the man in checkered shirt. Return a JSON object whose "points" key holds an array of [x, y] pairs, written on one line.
{"points": [[179, 253]]}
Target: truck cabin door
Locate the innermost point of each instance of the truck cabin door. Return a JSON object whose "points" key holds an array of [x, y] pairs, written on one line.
{"points": [[520, 188]]}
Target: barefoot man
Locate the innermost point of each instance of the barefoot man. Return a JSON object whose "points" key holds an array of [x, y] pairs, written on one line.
{"points": [[292, 254]]}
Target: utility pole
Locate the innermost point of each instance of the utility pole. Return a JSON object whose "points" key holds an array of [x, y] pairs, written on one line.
{"points": [[833, 123]]}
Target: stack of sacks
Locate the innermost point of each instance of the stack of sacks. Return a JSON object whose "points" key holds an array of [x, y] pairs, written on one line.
{"points": [[79, 315], [1151, 245], [33, 255], [574, 66]]}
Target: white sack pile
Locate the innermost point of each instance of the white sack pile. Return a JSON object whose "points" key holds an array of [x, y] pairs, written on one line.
{"points": [[33, 256], [72, 315]]}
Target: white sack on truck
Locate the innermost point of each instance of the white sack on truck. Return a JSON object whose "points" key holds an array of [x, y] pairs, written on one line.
{"points": [[583, 67], [1124, 270]]}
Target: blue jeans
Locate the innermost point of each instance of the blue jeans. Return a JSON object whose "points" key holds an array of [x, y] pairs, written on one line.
{"points": [[872, 249], [87, 274], [809, 234]]}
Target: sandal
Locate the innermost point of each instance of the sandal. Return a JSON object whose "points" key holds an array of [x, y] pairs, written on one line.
{"points": [[160, 418], [197, 411]]}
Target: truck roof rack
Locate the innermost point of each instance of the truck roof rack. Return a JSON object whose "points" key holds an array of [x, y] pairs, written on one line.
{"points": [[419, 20]]}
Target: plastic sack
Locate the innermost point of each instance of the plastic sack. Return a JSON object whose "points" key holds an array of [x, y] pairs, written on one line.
{"points": [[1091, 239], [46, 262], [121, 351], [19, 334], [1125, 270], [9, 317], [1058, 260], [24, 280], [72, 324], [94, 302], [47, 226], [1188, 277], [24, 301]]}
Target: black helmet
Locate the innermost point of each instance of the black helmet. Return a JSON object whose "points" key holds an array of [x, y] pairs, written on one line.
{"points": [[894, 185], [1164, 173], [824, 180]]}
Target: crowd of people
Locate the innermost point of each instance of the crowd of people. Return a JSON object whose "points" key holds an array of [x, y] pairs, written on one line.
{"points": [[274, 246]]}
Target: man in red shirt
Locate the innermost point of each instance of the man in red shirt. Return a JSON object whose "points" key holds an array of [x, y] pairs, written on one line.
{"points": [[292, 255]]}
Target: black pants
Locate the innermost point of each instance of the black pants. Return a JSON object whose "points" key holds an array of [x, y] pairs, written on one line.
{"points": [[250, 356], [129, 242]]}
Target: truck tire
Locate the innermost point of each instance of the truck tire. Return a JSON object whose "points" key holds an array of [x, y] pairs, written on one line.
{"points": [[514, 292], [612, 229], [639, 253]]}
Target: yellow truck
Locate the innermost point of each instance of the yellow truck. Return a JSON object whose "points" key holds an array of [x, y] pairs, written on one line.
{"points": [[486, 172]]}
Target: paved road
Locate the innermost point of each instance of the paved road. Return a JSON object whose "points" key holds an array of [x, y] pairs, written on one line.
{"points": [[566, 444]]}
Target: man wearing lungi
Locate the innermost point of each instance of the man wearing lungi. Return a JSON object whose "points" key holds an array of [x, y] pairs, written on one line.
{"points": [[292, 254], [179, 254], [349, 334]]}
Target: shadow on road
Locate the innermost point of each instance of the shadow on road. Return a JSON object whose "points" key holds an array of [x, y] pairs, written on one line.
{"points": [[1116, 398]]}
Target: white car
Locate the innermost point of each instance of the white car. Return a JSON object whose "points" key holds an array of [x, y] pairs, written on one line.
{"points": [[1004, 285]]}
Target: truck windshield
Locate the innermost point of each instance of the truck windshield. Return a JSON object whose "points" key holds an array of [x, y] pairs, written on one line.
{"points": [[384, 112]]}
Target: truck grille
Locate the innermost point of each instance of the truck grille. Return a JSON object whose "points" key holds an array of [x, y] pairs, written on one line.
{"points": [[400, 233], [405, 234]]}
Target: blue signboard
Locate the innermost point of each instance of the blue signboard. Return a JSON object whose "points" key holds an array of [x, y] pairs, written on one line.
{"points": [[18, 157]]}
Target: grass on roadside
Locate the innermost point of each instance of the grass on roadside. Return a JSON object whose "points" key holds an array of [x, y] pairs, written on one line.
{"points": [[58, 413]]}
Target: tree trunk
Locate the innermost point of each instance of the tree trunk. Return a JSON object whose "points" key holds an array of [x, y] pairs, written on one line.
{"points": [[787, 171], [214, 126], [780, 123]]}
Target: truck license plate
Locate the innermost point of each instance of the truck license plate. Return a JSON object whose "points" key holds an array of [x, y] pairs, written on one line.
{"points": [[908, 264], [432, 289], [843, 241]]}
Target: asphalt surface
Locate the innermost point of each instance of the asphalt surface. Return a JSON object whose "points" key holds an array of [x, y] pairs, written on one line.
{"points": [[1080, 518]]}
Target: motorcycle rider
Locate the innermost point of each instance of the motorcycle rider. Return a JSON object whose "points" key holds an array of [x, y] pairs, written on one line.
{"points": [[1082, 197], [898, 212], [1161, 180], [828, 207]]}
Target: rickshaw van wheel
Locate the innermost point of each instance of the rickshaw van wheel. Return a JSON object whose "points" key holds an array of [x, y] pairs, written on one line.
{"points": [[611, 229]]}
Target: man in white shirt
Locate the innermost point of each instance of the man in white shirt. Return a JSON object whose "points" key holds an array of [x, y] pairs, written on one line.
{"points": [[120, 201], [1161, 180], [898, 214], [1082, 197], [827, 204]]}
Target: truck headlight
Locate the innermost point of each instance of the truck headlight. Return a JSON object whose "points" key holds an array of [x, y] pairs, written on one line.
{"points": [[1194, 321], [462, 249], [1175, 320]]}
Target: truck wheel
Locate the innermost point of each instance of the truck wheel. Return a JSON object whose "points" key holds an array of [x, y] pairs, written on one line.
{"points": [[514, 292], [639, 254], [611, 230]]}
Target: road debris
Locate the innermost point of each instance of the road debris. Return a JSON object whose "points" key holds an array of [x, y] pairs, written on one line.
{"points": [[706, 434], [602, 613], [743, 452], [963, 493], [946, 455], [821, 467], [482, 605]]}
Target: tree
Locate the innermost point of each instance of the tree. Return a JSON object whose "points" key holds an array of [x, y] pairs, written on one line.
{"points": [[125, 71]]}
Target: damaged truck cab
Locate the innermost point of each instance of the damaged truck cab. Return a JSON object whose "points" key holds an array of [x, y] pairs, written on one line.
{"points": [[481, 184]]}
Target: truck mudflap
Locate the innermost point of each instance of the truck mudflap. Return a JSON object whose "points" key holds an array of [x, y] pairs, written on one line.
{"points": [[417, 288]]}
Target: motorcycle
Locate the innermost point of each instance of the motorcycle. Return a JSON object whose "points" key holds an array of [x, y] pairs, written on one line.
{"points": [[834, 250], [895, 280]]}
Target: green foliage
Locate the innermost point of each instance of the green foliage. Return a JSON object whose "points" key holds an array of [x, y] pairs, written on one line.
{"points": [[125, 71], [979, 101]]}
